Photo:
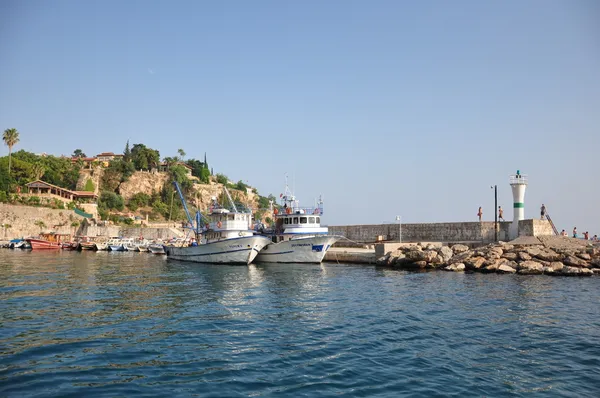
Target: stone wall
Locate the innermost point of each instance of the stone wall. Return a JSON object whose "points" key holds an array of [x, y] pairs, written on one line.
{"points": [[23, 221], [439, 232]]}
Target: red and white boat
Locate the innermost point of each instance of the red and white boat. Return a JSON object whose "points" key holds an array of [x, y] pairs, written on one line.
{"points": [[49, 241]]}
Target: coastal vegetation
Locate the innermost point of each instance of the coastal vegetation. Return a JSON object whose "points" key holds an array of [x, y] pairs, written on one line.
{"points": [[23, 167]]}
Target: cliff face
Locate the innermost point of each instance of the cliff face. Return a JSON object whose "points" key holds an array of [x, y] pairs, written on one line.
{"points": [[94, 174], [143, 181]]}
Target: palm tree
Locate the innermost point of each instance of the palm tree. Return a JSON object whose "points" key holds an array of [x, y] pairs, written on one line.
{"points": [[11, 138], [181, 153]]}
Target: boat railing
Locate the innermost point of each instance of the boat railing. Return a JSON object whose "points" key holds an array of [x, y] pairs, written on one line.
{"points": [[315, 211]]}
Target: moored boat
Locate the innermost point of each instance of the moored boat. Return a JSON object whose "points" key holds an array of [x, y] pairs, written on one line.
{"points": [[298, 236], [226, 237], [49, 241]]}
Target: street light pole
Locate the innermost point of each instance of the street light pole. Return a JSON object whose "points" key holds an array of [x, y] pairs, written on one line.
{"points": [[495, 213]]}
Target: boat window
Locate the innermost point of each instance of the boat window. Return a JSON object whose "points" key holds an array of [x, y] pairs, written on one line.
{"points": [[231, 216], [287, 221], [303, 220], [311, 220], [318, 220], [295, 220]]}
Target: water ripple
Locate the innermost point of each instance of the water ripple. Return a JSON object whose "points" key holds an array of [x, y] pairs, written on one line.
{"points": [[119, 324]]}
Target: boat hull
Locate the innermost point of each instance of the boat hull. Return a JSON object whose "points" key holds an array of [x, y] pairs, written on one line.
{"points": [[156, 249], [310, 249], [116, 248], [40, 244], [229, 251]]}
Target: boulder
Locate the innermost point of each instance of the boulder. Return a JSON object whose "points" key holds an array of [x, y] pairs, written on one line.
{"points": [[505, 269], [383, 260], [548, 255], [586, 272], [420, 264], [533, 251], [446, 253], [474, 262], [460, 258], [459, 267], [510, 256], [595, 263], [556, 266], [457, 249], [530, 268], [415, 254], [575, 262], [506, 246], [570, 271], [523, 256], [584, 256], [429, 255]]}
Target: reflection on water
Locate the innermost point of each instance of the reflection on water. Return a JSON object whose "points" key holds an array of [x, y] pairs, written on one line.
{"points": [[132, 323]]}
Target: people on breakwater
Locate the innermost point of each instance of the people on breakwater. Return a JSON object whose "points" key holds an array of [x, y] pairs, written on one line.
{"points": [[500, 213], [479, 213]]}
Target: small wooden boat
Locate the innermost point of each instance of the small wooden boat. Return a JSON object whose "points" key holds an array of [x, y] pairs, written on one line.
{"points": [[49, 241]]}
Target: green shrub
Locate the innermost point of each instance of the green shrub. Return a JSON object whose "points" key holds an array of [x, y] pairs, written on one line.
{"points": [[34, 200], [3, 197]]}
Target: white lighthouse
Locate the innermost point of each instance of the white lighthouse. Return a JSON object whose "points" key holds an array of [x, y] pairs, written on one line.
{"points": [[518, 183]]}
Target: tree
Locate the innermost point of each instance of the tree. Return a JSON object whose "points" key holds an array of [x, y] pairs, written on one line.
{"points": [[144, 158], [78, 153], [38, 170], [10, 138], [181, 153], [127, 153], [110, 200]]}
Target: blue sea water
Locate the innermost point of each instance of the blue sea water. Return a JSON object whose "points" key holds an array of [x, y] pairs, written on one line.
{"points": [[133, 324]]}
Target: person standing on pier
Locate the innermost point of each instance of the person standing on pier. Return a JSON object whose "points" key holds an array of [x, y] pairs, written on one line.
{"points": [[479, 213], [500, 213], [542, 212]]}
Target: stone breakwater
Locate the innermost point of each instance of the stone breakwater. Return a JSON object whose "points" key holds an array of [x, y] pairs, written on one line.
{"points": [[550, 256]]}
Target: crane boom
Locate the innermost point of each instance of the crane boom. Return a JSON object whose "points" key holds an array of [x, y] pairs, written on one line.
{"points": [[187, 212], [230, 200]]}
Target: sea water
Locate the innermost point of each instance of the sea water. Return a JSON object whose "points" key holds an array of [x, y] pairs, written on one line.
{"points": [[135, 324]]}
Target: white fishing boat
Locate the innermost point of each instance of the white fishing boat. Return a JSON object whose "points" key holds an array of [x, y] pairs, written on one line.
{"points": [[298, 236], [156, 248], [116, 245], [226, 238]]}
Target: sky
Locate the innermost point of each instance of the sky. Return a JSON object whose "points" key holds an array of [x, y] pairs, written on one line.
{"points": [[386, 108]]}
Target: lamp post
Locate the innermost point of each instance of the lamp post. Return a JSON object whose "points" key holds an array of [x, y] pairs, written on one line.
{"points": [[399, 221], [495, 213]]}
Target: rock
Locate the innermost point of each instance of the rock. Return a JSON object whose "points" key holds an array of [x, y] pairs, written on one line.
{"points": [[491, 268], [460, 258], [505, 269], [510, 256], [415, 255], [420, 264], [430, 246], [575, 262], [457, 249], [570, 271], [556, 266], [459, 267], [533, 251], [474, 262], [429, 256], [530, 268], [524, 256], [497, 250], [595, 263], [584, 256], [586, 272], [548, 270], [506, 246], [548, 255], [446, 253], [439, 260], [383, 260]]}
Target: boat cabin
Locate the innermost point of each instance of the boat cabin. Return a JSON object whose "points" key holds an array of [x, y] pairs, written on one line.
{"points": [[226, 224]]}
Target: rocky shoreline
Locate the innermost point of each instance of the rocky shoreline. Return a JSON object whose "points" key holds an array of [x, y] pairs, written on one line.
{"points": [[551, 255]]}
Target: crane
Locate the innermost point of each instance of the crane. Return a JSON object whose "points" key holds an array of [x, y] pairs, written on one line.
{"points": [[187, 212]]}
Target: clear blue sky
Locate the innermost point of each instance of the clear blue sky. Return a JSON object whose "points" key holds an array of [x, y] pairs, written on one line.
{"points": [[385, 107]]}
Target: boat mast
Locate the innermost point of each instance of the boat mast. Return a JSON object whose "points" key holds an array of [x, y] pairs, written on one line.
{"points": [[230, 200]]}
